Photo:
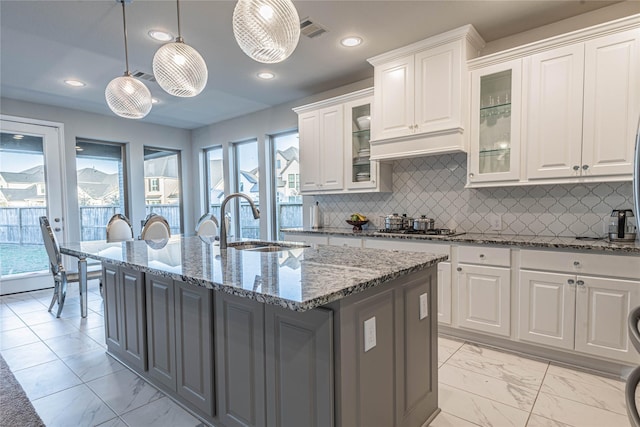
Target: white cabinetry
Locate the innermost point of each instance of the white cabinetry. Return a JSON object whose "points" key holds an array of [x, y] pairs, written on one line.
{"points": [[579, 103], [334, 147], [583, 105], [484, 289], [573, 307], [420, 96], [321, 151]]}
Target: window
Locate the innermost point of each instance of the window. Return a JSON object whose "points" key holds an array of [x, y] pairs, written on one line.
{"points": [[247, 179], [163, 192], [101, 186], [286, 179], [215, 179]]}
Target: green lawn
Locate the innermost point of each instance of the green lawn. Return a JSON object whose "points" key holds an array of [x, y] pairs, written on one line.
{"points": [[16, 258]]}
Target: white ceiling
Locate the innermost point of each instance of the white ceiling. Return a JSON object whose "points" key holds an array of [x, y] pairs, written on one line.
{"points": [[44, 42]]}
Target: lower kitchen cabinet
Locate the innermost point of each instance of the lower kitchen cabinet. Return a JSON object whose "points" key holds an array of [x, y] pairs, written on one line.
{"points": [[444, 293], [125, 316], [194, 345], [299, 367], [240, 373], [484, 298], [161, 334]]}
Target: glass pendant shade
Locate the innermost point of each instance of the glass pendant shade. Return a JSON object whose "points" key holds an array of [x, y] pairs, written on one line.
{"points": [[266, 30], [128, 97], [179, 69]]}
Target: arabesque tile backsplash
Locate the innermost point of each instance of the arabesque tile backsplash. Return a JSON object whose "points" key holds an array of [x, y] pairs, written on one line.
{"points": [[434, 186]]}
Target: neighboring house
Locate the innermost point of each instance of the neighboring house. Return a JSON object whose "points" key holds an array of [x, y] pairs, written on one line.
{"points": [[96, 188], [216, 186], [161, 183], [26, 188], [288, 174], [249, 184]]}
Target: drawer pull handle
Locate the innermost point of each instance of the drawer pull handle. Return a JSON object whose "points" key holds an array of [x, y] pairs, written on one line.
{"points": [[580, 283], [459, 268], [571, 281]]}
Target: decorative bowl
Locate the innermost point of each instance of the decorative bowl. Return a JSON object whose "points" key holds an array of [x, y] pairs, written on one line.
{"points": [[357, 225]]}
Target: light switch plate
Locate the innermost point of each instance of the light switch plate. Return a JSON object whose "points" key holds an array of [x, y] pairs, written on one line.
{"points": [[424, 305], [369, 334]]}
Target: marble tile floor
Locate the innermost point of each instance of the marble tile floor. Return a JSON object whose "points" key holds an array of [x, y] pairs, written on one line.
{"points": [[63, 368]]}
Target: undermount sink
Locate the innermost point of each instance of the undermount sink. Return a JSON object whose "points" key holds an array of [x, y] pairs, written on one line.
{"points": [[265, 246]]}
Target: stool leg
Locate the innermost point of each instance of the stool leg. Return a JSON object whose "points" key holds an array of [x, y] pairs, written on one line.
{"points": [[56, 288], [82, 285], [62, 294]]}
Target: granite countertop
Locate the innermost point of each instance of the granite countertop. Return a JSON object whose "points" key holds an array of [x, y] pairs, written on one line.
{"points": [[489, 239], [300, 278]]}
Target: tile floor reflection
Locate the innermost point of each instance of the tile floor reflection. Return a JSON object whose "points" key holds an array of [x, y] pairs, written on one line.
{"points": [[63, 368]]}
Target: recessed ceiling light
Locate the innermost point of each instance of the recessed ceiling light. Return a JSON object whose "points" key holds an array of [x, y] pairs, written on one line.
{"points": [[161, 36], [351, 41], [154, 100], [18, 136], [266, 75], [75, 83]]}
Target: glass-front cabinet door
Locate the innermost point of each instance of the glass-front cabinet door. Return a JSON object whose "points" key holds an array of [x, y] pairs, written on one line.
{"points": [[495, 123], [360, 170]]}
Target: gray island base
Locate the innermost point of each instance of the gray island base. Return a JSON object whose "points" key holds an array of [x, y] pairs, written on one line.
{"points": [[243, 338]]}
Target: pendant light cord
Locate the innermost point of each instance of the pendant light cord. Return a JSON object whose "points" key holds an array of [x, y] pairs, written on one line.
{"points": [[126, 50], [179, 38]]}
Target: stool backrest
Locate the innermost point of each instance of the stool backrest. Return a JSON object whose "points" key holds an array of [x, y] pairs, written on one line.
{"points": [[155, 228], [119, 229], [51, 245], [207, 226]]}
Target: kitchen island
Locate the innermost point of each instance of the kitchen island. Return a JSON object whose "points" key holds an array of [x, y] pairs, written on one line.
{"points": [[303, 336]]}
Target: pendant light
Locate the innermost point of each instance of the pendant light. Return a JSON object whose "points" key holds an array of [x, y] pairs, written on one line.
{"points": [[126, 96], [178, 68], [266, 30]]}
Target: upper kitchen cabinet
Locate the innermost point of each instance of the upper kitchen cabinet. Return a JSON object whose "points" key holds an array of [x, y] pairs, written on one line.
{"points": [[495, 123], [421, 98], [572, 118], [335, 153]]}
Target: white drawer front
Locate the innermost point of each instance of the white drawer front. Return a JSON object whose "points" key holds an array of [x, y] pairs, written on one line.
{"points": [[483, 255], [413, 246], [352, 242], [580, 263], [309, 239]]}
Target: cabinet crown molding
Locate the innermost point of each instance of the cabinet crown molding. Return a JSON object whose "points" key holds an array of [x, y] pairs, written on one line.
{"points": [[583, 34], [335, 100], [467, 32]]}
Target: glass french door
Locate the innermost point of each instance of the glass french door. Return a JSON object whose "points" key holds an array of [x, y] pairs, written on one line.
{"points": [[30, 186]]}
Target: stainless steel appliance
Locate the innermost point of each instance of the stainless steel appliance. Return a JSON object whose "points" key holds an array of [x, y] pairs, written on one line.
{"points": [[432, 232], [393, 222], [423, 223], [636, 175], [622, 226]]}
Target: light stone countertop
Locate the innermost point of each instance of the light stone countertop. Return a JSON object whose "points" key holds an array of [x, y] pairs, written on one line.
{"points": [[488, 239], [300, 278]]}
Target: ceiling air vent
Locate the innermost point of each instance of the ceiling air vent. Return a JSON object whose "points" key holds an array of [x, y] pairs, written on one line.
{"points": [[311, 29], [143, 76]]}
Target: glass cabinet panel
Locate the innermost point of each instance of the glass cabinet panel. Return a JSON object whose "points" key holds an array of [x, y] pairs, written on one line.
{"points": [[360, 170], [495, 123]]}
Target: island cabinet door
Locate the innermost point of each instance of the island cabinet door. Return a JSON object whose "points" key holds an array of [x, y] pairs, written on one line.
{"points": [[112, 310], [416, 335], [240, 374], [161, 330], [194, 345], [299, 365], [133, 318]]}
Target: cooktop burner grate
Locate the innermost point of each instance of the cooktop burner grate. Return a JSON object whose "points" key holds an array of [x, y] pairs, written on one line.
{"points": [[433, 232]]}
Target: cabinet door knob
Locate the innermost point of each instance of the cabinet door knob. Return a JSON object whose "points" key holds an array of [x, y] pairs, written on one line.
{"points": [[580, 283], [481, 256], [576, 167], [471, 175], [459, 269], [571, 281], [585, 167], [576, 263]]}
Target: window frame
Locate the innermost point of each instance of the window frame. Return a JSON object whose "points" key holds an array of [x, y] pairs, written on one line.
{"points": [[177, 152]]}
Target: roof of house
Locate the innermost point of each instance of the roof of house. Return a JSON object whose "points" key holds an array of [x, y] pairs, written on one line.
{"points": [[15, 194], [289, 154], [166, 167], [34, 174]]}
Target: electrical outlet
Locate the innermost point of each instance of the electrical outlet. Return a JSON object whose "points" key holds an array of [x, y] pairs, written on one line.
{"points": [[369, 334], [424, 306], [496, 221]]}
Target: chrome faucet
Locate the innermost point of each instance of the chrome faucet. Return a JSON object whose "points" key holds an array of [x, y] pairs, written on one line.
{"points": [[223, 225]]}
